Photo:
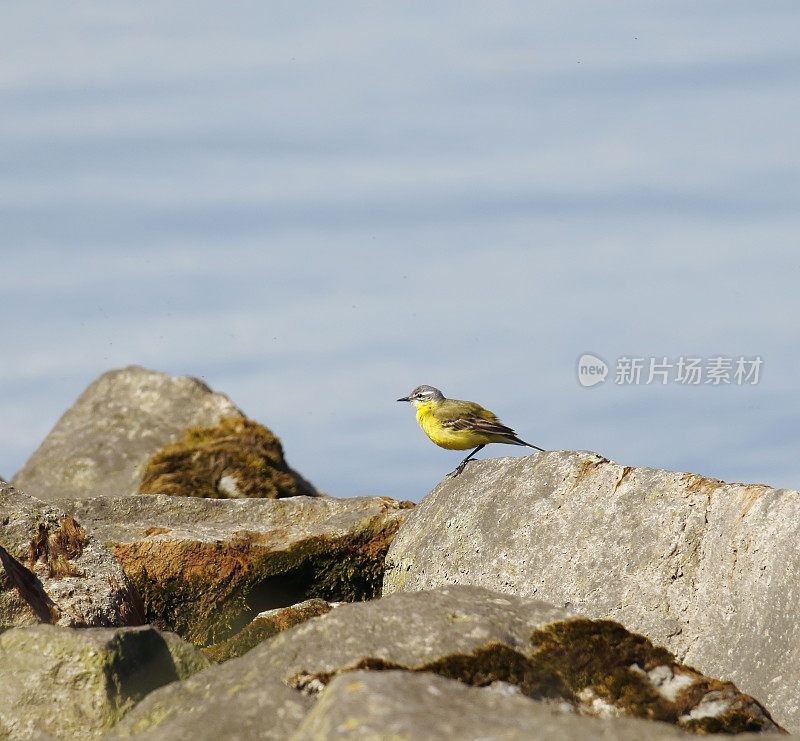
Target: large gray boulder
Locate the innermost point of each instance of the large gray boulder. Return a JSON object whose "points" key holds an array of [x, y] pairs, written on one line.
{"points": [[53, 570], [206, 567], [103, 442], [705, 568], [78, 683], [467, 634]]}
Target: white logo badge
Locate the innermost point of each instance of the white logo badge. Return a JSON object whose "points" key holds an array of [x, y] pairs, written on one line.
{"points": [[591, 370]]}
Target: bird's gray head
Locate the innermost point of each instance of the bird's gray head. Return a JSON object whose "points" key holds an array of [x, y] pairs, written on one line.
{"points": [[423, 395]]}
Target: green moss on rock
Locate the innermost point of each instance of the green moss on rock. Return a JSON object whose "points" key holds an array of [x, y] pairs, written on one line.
{"points": [[237, 458], [580, 661], [494, 662], [352, 569], [598, 655]]}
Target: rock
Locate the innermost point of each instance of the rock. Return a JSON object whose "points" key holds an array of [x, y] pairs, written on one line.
{"points": [[423, 707], [265, 625], [466, 633], [235, 701], [206, 567], [53, 571], [103, 442], [703, 567], [237, 458], [479, 637], [63, 681]]}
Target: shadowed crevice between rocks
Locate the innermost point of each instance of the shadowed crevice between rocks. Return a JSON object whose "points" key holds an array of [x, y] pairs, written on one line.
{"points": [[264, 626], [29, 587]]}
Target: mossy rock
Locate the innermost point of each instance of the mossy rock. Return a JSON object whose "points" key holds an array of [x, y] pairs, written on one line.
{"points": [[265, 626], [581, 661], [602, 659], [237, 458], [207, 592]]}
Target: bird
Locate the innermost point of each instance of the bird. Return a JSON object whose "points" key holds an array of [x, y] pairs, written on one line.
{"points": [[459, 425]]}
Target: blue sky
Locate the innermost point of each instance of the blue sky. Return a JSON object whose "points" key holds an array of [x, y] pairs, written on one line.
{"points": [[317, 208]]}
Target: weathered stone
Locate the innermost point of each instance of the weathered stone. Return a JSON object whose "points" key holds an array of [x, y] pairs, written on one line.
{"points": [[103, 442], [235, 701], [64, 681], [702, 567], [53, 571], [403, 706], [236, 459], [265, 625], [466, 633], [479, 636], [206, 567]]}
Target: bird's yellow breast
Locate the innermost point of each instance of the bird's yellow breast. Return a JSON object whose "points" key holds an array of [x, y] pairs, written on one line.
{"points": [[446, 437]]}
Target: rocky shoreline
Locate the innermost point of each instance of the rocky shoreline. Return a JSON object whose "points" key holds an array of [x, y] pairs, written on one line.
{"points": [[166, 574]]}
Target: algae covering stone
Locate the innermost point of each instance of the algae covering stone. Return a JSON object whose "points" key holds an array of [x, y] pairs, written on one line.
{"points": [[423, 707], [237, 458], [102, 443], [703, 567], [69, 682], [206, 567], [53, 571], [541, 654]]}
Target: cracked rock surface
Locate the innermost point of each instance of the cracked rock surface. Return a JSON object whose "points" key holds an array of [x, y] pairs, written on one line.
{"points": [[705, 568]]}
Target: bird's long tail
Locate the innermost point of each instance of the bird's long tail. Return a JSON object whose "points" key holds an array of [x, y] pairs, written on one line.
{"points": [[517, 441]]}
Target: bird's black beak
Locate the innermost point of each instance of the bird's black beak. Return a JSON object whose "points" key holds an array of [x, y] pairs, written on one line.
{"points": [[405, 398]]}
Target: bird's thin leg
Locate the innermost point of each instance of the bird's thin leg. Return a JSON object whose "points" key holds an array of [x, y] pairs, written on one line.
{"points": [[463, 463]]}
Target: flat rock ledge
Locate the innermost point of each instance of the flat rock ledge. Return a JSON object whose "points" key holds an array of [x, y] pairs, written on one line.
{"points": [[705, 568], [53, 571], [470, 645], [206, 567]]}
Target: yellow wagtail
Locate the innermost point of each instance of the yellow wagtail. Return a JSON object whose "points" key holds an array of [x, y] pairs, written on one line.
{"points": [[459, 425]]}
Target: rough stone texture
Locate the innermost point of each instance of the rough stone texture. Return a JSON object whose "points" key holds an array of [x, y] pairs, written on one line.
{"points": [[265, 625], [439, 632], [705, 568], [63, 681], [103, 441], [53, 571], [235, 701], [423, 707], [206, 567]]}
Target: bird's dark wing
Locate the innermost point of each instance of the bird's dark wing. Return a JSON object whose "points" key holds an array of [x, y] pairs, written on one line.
{"points": [[467, 415]]}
